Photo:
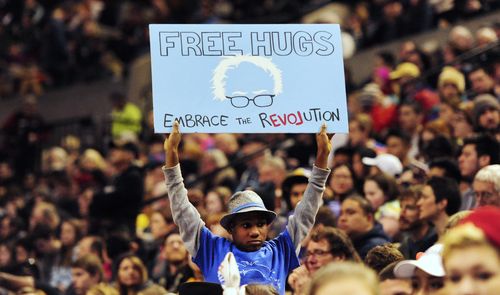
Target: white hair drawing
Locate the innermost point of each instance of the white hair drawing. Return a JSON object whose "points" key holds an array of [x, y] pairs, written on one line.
{"points": [[219, 75]]}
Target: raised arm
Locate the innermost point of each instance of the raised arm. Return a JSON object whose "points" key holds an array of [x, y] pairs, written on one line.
{"points": [[184, 213], [302, 221]]}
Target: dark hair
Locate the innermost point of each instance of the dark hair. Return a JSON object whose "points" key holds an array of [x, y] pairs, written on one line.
{"points": [[382, 255], [446, 188], [387, 184], [91, 264], [387, 273], [449, 166], [393, 132], [363, 203], [438, 147], [325, 216], [414, 105], [387, 57], [485, 145], [340, 244]]}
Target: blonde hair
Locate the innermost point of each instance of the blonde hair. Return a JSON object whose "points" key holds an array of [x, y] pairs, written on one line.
{"points": [[335, 271], [463, 236]]}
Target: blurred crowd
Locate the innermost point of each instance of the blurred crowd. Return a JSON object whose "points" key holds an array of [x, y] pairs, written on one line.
{"points": [[47, 44], [421, 158]]}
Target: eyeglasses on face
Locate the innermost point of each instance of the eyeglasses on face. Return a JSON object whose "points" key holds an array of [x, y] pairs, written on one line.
{"points": [[261, 100], [316, 253]]}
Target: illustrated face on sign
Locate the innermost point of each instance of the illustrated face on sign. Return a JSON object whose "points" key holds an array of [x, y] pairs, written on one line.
{"points": [[259, 91]]}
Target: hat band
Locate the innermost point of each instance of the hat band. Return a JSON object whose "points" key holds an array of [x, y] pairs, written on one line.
{"points": [[253, 204]]}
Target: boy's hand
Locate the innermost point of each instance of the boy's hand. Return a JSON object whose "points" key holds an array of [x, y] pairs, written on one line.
{"points": [[323, 141], [171, 146]]}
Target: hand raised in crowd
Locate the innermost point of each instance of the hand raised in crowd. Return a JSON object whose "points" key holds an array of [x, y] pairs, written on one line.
{"points": [[323, 141], [171, 146]]}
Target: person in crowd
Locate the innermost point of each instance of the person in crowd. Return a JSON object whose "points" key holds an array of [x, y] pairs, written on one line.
{"points": [[216, 200], [399, 143], [416, 234], [451, 85], [344, 278], [481, 81], [487, 114], [486, 186], [426, 272], [126, 117], [132, 277], [381, 191], [381, 256], [440, 198], [326, 245], [390, 284], [126, 189], [86, 272], [341, 185], [248, 223], [411, 121], [384, 163], [175, 268], [477, 152], [358, 222], [471, 256], [444, 167]]}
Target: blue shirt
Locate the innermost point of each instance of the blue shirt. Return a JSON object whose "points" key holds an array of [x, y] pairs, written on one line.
{"points": [[268, 265]]}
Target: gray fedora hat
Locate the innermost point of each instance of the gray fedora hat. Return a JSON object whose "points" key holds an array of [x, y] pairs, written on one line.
{"points": [[244, 202]]}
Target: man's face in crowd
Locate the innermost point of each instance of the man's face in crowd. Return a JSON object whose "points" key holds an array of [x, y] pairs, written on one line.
{"points": [[317, 255], [408, 118], [353, 220], [249, 231], [296, 193], [425, 284], [489, 119], [409, 217], [449, 90], [481, 82], [468, 161], [485, 194], [395, 287], [82, 280], [427, 205], [175, 250], [397, 147]]}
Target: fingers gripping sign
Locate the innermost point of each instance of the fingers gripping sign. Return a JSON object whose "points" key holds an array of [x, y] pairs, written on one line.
{"points": [[171, 146], [323, 141]]}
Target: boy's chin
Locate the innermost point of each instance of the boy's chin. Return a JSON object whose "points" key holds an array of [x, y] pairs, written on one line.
{"points": [[250, 247]]}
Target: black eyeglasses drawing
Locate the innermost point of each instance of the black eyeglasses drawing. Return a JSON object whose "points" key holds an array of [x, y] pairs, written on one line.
{"points": [[261, 100]]}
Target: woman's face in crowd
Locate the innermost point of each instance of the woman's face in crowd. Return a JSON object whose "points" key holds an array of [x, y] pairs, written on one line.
{"points": [[213, 203], [373, 194], [341, 180], [68, 234], [473, 270], [128, 274], [158, 225], [5, 255]]}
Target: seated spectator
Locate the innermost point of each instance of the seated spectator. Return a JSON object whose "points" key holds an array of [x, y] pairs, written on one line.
{"points": [[174, 268], [86, 272], [132, 277], [471, 254], [381, 256], [417, 234], [357, 221], [390, 284], [486, 186], [381, 191], [426, 273], [439, 200]]}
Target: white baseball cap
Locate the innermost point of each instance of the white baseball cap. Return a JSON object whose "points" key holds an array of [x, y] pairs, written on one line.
{"points": [[430, 262], [388, 163]]}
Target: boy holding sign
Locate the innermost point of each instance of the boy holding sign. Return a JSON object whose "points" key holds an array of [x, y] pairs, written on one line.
{"points": [[259, 261]]}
